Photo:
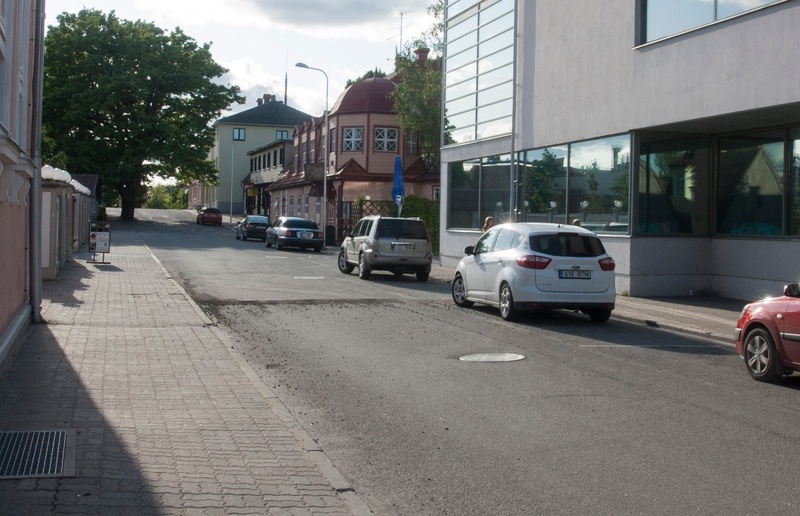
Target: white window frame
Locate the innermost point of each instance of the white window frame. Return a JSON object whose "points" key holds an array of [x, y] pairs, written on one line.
{"points": [[352, 139], [385, 139]]}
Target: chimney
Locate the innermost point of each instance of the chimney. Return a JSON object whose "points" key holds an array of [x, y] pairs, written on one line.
{"points": [[422, 54], [259, 101]]}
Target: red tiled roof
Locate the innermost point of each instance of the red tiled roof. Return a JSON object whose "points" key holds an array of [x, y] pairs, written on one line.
{"points": [[367, 96]]}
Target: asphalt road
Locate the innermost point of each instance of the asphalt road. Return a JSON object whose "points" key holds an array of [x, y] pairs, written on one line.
{"points": [[596, 419]]}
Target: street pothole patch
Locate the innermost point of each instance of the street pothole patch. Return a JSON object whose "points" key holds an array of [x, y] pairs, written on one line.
{"points": [[492, 357]]}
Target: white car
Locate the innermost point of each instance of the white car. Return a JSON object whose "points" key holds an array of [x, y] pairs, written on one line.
{"points": [[530, 266]]}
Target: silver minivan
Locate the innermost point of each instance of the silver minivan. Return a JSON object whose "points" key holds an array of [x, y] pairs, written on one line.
{"points": [[394, 244]]}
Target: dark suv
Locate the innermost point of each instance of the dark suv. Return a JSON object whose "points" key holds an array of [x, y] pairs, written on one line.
{"points": [[398, 245]]}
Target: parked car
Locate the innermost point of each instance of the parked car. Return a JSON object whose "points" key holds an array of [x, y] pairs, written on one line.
{"points": [[294, 232], [768, 335], [252, 226], [209, 216], [530, 266], [398, 245]]}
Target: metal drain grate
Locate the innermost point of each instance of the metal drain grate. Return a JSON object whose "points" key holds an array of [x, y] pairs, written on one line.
{"points": [[37, 454]]}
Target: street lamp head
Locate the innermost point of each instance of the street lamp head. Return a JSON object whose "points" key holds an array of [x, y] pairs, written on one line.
{"points": [[301, 65]]}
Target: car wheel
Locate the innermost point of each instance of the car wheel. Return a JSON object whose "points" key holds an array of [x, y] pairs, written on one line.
{"points": [[599, 315], [507, 310], [237, 235], [318, 249], [460, 292], [344, 267], [363, 268], [760, 356], [422, 276], [278, 245], [267, 242]]}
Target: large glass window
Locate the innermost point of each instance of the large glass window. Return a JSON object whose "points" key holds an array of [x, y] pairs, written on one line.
{"points": [[673, 185], [464, 195], [479, 189], [750, 183], [598, 179], [479, 56], [794, 185], [667, 17], [496, 188], [545, 173], [588, 181]]}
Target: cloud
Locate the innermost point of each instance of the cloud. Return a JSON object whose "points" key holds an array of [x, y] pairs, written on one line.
{"points": [[341, 13], [365, 20]]}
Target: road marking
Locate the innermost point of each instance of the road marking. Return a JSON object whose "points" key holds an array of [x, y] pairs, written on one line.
{"points": [[309, 277]]}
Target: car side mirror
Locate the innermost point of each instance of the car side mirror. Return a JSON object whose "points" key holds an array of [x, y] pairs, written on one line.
{"points": [[469, 250], [792, 290]]}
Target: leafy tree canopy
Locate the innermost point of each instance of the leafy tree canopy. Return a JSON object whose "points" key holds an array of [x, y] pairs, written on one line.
{"points": [[126, 100], [417, 98], [369, 75]]}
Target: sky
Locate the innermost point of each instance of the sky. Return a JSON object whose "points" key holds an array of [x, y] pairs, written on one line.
{"points": [[259, 41]]}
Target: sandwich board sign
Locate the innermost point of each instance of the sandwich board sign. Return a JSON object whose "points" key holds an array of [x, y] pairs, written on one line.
{"points": [[100, 238]]}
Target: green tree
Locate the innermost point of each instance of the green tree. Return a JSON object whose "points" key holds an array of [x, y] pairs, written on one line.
{"points": [[158, 198], [417, 98], [126, 100], [540, 181]]}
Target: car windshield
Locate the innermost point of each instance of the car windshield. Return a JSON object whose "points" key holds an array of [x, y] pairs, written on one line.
{"points": [[567, 244], [399, 228]]}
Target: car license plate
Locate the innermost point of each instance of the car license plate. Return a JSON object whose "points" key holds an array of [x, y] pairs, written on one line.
{"points": [[402, 247], [575, 274], [306, 234]]}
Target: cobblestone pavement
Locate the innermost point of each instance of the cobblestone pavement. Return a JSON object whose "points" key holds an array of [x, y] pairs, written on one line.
{"points": [[163, 415]]}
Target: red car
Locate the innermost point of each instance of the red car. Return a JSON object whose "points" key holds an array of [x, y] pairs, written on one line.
{"points": [[768, 335], [209, 216]]}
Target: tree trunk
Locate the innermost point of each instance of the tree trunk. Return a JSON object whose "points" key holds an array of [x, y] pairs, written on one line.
{"points": [[128, 207]]}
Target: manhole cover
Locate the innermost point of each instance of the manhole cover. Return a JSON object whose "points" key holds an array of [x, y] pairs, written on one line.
{"points": [[492, 357]]}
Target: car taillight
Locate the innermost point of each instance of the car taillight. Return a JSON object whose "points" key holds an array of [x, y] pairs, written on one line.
{"points": [[533, 261], [607, 264], [249, 226], [289, 233], [319, 234]]}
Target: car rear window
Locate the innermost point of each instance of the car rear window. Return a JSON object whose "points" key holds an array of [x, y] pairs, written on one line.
{"points": [[258, 220], [567, 244], [399, 228], [301, 224], [212, 210]]}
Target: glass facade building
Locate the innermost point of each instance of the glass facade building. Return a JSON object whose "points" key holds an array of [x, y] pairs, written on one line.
{"points": [[665, 133]]}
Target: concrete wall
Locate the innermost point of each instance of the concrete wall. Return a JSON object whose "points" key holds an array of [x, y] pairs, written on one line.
{"points": [[582, 76], [57, 226]]}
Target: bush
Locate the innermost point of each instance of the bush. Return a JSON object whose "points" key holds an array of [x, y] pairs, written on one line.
{"points": [[427, 210]]}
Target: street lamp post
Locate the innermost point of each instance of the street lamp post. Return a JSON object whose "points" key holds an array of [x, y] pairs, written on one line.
{"points": [[325, 157], [233, 141]]}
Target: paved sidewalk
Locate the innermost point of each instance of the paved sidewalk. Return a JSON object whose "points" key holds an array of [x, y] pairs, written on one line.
{"points": [[164, 416]]}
